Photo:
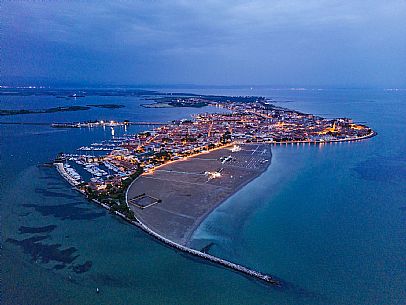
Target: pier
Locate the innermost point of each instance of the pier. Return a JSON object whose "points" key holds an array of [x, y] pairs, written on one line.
{"points": [[102, 123]]}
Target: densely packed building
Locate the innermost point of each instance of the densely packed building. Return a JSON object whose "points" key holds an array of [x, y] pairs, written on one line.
{"points": [[253, 121]]}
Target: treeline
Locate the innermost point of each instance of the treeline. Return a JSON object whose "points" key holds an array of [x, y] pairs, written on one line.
{"points": [[114, 196]]}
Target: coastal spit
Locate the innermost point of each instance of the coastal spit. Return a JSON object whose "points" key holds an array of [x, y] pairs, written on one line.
{"points": [[167, 180]]}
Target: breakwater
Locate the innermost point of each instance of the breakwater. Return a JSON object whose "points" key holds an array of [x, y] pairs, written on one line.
{"points": [[214, 259], [225, 263]]}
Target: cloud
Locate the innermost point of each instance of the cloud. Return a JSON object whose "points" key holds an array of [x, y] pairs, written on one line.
{"points": [[267, 41]]}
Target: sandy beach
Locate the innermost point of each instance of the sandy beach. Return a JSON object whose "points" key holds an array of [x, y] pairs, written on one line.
{"points": [[181, 194]]}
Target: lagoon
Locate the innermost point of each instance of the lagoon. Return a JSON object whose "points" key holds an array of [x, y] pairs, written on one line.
{"points": [[329, 220]]}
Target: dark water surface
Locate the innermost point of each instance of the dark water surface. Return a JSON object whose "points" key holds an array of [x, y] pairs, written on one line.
{"points": [[329, 220]]}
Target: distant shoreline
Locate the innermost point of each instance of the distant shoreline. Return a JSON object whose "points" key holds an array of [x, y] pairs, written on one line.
{"points": [[8, 112]]}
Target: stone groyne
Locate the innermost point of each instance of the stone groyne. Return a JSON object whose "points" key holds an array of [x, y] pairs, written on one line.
{"points": [[214, 259], [225, 263]]}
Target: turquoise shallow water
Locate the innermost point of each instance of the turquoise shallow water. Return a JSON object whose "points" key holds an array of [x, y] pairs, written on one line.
{"points": [[328, 220]]}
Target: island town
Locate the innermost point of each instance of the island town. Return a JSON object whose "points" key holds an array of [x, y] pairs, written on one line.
{"points": [[167, 179], [256, 121]]}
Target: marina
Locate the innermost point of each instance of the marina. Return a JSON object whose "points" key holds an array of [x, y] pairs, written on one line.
{"points": [[68, 173]]}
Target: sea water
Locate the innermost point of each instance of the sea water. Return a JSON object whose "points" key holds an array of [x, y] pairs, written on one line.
{"points": [[328, 220]]}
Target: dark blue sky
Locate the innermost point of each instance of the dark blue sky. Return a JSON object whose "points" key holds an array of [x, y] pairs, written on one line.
{"points": [[280, 43]]}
